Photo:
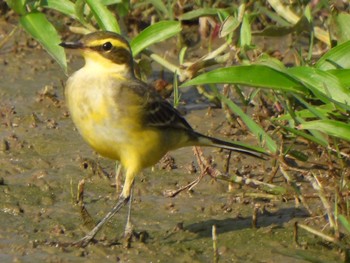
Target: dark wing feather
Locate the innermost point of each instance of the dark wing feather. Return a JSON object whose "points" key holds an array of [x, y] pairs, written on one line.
{"points": [[157, 111], [161, 113]]}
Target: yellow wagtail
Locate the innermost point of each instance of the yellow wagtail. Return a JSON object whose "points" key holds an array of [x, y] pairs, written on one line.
{"points": [[123, 118]]}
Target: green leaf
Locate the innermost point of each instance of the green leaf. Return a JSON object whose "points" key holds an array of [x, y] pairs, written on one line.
{"points": [[324, 110], [252, 75], [231, 23], [344, 222], [313, 110], [245, 38], [324, 85], [278, 31], [103, 16], [343, 76], [79, 11], [337, 57], [271, 62], [316, 139], [43, 31], [343, 30], [299, 155], [200, 12], [333, 128], [154, 34], [111, 2], [63, 6], [159, 5], [259, 133], [265, 10], [19, 6]]}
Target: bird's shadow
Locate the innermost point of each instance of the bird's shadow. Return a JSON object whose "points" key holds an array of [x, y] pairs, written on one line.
{"points": [[276, 219]]}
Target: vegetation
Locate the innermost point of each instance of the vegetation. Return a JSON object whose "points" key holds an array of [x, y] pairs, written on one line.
{"points": [[307, 101]]}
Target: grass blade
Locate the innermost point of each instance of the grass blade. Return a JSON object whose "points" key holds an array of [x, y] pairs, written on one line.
{"points": [[200, 12], [259, 133], [333, 128], [318, 140], [344, 222], [323, 110]]}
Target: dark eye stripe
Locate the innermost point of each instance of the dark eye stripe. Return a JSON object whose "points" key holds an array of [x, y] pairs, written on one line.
{"points": [[117, 55]]}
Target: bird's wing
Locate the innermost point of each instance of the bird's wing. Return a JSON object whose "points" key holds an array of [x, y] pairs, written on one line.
{"points": [[161, 113], [156, 111]]}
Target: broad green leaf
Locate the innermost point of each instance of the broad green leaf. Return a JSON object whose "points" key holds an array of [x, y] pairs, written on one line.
{"points": [[154, 34], [103, 16], [19, 6], [324, 85], [43, 31], [333, 128], [259, 133], [337, 57], [63, 6], [253, 75]]}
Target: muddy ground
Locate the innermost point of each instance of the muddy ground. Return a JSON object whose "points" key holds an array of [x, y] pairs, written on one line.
{"points": [[42, 159]]}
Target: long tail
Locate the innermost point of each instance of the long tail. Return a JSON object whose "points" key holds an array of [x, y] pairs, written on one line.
{"points": [[232, 146]]}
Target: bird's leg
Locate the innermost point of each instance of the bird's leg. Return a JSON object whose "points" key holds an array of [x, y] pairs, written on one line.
{"points": [[129, 227], [122, 200]]}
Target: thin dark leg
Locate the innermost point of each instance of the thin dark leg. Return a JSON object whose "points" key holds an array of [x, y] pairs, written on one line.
{"points": [[122, 201]]}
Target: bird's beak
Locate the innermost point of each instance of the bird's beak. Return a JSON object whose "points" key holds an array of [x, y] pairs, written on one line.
{"points": [[72, 45]]}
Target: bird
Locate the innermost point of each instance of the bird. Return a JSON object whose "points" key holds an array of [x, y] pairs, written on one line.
{"points": [[123, 118]]}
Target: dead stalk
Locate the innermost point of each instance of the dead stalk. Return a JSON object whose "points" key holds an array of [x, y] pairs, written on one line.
{"points": [[318, 233], [215, 245]]}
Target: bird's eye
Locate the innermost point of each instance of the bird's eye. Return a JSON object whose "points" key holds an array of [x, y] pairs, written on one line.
{"points": [[107, 46]]}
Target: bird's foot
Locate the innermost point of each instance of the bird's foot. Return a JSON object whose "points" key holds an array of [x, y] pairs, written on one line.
{"points": [[83, 242]]}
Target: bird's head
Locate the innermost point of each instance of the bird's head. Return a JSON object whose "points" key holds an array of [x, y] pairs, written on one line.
{"points": [[104, 49]]}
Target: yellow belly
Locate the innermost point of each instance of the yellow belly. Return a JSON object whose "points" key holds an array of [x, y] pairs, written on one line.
{"points": [[113, 127]]}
